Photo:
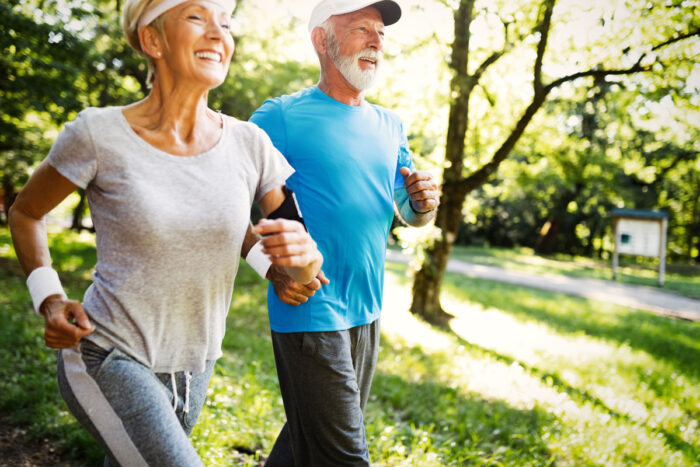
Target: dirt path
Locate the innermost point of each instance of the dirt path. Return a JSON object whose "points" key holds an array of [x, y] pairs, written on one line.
{"points": [[633, 296], [18, 449]]}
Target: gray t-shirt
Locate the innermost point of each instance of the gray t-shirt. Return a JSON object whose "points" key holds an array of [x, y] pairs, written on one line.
{"points": [[169, 232]]}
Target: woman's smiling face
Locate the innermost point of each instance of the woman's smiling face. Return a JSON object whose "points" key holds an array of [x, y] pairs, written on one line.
{"points": [[199, 42]]}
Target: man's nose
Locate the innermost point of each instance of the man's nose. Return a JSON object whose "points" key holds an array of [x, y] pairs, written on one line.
{"points": [[376, 40]]}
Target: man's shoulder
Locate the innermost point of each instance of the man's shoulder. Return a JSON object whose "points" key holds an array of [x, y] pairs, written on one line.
{"points": [[286, 101], [390, 114]]}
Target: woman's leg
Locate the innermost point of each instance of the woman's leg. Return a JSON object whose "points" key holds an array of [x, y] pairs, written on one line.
{"points": [[126, 407]]}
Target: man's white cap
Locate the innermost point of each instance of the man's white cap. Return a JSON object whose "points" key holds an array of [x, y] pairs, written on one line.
{"points": [[390, 10]]}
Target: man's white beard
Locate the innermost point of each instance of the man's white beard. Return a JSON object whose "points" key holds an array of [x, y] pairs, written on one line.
{"points": [[349, 66]]}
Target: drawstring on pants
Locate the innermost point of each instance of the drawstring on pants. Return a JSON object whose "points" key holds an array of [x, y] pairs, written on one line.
{"points": [[188, 377], [174, 388], [173, 384]]}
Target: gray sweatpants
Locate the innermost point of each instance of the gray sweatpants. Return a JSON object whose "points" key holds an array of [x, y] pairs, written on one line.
{"points": [[325, 378], [129, 409]]}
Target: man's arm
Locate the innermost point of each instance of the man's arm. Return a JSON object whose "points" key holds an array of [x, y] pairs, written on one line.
{"points": [[418, 199]]}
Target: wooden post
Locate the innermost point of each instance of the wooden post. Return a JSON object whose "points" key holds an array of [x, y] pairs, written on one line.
{"points": [[662, 252], [617, 246]]}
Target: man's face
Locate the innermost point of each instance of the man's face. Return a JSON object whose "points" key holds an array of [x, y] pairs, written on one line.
{"points": [[356, 46]]}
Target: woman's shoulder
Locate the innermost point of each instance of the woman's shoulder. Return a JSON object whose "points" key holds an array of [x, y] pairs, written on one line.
{"points": [[242, 129], [96, 118]]}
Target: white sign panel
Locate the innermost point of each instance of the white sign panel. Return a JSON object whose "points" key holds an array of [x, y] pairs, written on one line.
{"points": [[639, 237]]}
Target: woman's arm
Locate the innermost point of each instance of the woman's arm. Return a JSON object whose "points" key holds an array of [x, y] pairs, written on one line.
{"points": [[44, 190], [287, 242]]}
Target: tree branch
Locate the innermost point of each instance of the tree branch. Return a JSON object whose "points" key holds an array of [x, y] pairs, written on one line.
{"points": [[676, 39], [543, 29], [636, 68], [466, 185], [487, 63]]}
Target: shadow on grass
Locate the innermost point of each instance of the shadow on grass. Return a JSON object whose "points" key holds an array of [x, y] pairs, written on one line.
{"points": [[674, 341], [464, 429], [673, 439]]}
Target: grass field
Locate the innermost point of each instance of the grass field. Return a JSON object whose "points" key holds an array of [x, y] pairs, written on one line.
{"points": [[520, 377]]}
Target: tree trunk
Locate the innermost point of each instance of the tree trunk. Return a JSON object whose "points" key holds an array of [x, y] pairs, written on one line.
{"points": [[690, 229], [8, 195], [79, 212], [546, 242], [426, 283]]}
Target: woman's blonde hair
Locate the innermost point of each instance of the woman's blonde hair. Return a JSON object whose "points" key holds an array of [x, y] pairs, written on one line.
{"points": [[133, 10]]}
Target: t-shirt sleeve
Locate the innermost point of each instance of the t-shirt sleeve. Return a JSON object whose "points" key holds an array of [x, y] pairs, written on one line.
{"points": [[73, 153], [269, 117], [274, 168], [405, 159]]}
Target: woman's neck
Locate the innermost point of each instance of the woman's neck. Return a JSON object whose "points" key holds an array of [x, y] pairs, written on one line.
{"points": [[175, 119]]}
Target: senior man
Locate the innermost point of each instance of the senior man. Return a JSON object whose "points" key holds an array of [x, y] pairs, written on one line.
{"points": [[352, 163]]}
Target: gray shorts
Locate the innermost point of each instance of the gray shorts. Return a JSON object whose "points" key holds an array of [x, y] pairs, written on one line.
{"points": [[130, 410], [325, 378]]}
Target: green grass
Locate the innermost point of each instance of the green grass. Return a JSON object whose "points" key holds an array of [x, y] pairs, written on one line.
{"points": [[520, 377], [680, 278]]}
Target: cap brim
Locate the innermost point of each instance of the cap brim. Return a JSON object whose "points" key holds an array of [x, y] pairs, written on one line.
{"points": [[390, 11]]}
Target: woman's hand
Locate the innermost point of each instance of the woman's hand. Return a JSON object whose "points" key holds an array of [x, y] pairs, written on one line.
{"points": [[66, 322], [288, 244]]}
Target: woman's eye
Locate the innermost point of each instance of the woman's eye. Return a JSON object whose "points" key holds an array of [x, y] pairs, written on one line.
{"points": [[226, 26], [195, 17]]}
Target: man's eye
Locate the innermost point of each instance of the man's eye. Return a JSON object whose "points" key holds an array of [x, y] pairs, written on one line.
{"points": [[226, 26]]}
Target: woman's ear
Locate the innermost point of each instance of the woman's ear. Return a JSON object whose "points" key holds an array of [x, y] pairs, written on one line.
{"points": [[151, 42], [319, 39]]}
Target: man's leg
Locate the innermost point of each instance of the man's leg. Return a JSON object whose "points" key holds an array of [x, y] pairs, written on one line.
{"points": [[281, 454], [325, 379], [364, 357]]}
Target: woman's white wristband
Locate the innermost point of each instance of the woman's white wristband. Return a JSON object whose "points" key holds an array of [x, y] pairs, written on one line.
{"points": [[43, 282], [258, 260]]}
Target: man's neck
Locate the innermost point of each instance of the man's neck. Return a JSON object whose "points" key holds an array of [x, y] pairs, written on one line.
{"points": [[334, 85]]}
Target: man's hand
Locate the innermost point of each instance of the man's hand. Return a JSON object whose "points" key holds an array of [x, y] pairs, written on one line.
{"points": [[291, 292], [422, 189], [66, 322]]}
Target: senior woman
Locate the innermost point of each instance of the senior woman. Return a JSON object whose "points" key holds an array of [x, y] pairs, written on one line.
{"points": [[170, 185]]}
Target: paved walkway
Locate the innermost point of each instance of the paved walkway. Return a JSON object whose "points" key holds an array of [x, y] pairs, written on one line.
{"points": [[633, 296]]}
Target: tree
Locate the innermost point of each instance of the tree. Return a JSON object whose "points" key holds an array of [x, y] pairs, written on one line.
{"points": [[467, 78], [39, 66]]}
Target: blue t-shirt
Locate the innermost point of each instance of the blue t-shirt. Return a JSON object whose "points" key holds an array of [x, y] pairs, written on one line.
{"points": [[346, 161]]}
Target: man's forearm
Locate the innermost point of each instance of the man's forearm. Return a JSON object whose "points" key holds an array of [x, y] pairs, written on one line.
{"points": [[406, 212]]}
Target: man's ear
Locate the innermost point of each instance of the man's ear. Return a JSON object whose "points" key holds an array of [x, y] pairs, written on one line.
{"points": [[151, 42], [319, 39]]}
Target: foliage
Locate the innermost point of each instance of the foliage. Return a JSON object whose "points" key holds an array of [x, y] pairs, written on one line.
{"points": [[506, 61], [522, 377], [589, 156], [40, 64]]}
